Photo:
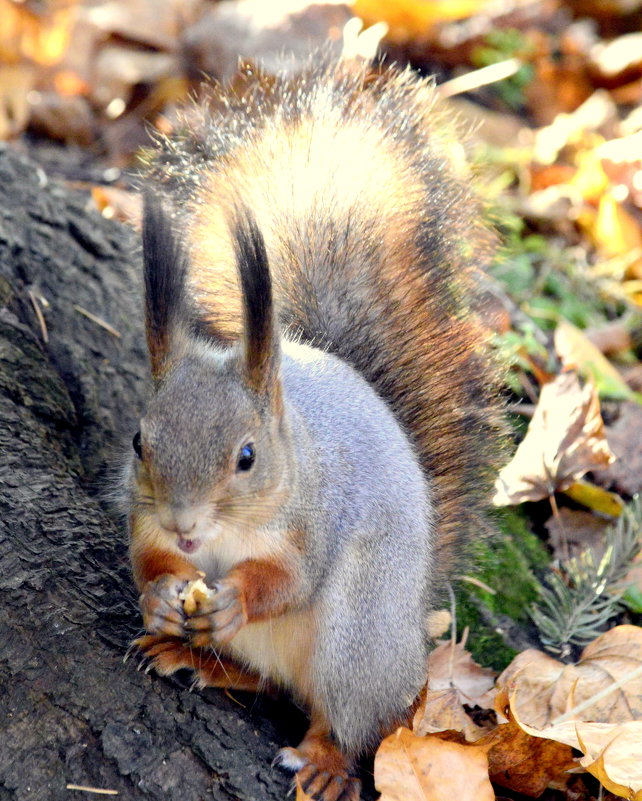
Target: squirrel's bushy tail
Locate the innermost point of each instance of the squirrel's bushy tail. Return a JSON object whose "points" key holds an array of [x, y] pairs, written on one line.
{"points": [[373, 235]]}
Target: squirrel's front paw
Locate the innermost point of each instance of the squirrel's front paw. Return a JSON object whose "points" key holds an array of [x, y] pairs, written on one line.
{"points": [[218, 617], [162, 606]]}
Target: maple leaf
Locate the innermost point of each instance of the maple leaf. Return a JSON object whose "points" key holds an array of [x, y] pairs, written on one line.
{"points": [[565, 439]]}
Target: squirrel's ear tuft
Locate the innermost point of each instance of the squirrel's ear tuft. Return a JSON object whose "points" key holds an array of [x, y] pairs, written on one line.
{"points": [[261, 340], [165, 266]]}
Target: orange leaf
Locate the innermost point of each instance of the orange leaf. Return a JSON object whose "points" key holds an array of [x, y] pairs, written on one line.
{"points": [[411, 768]]}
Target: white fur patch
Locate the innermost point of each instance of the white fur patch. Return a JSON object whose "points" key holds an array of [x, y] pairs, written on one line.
{"points": [[290, 759]]}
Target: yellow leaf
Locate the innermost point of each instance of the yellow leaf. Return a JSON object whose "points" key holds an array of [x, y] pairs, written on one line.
{"points": [[409, 18], [577, 352], [590, 178], [596, 498], [616, 232]]}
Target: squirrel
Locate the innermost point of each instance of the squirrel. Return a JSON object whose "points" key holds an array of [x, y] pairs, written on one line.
{"points": [[319, 444]]}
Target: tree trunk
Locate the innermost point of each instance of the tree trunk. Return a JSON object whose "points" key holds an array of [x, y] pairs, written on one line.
{"points": [[71, 712]]}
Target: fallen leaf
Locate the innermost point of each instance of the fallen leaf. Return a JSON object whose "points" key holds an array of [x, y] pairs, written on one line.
{"points": [[624, 436], [614, 757], [411, 768], [565, 439], [595, 498], [619, 59], [572, 531], [442, 710], [408, 19], [617, 234], [612, 752], [542, 689], [454, 667], [577, 352], [613, 337], [524, 763], [63, 118]]}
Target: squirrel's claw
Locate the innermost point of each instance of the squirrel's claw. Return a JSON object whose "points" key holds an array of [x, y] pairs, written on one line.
{"points": [[162, 607], [319, 783]]}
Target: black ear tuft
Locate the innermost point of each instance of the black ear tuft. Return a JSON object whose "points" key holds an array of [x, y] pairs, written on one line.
{"points": [[261, 337], [165, 266]]}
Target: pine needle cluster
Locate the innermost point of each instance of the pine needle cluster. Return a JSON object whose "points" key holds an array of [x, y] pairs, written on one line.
{"points": [[581, 595]]}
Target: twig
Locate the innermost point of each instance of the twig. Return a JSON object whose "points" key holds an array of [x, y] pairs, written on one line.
{"points": [[84, 789], [97, 320], [481, 77], [40, 316], [477, 583]]}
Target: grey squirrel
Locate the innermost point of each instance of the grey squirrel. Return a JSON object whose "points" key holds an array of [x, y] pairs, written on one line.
{"points": [[320, 438]]}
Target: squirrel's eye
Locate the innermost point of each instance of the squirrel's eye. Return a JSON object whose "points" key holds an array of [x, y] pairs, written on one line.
{"points": [[136, 444], [246, 457]]}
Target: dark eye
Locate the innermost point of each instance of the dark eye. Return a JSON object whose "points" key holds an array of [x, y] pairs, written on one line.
{"points": [[246, 457], [136, 444]]}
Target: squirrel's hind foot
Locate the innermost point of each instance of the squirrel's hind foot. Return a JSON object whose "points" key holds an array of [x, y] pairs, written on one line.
{"points": [[320, 767]]}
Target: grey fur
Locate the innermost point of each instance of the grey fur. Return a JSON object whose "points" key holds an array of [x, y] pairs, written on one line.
{"points": [[369, 549]]}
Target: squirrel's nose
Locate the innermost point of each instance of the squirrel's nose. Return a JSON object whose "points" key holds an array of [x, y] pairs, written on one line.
{"points": [[179, 520]]}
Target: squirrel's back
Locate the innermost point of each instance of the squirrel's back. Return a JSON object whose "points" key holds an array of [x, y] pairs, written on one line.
{"points": [[372, 231]]}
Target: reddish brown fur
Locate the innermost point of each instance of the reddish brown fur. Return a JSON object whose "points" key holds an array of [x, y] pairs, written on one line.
{"points": [[265, 587], [150, 563], [167, 655]]}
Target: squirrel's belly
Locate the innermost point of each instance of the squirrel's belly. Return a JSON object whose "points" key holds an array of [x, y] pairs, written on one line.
{"points": [[279, 649]]}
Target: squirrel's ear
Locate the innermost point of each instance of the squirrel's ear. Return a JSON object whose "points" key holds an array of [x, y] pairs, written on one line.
{"points": [[261, 339], [165, 267]]}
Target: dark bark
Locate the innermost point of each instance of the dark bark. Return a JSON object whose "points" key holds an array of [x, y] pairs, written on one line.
{"points": [[70, 710]]}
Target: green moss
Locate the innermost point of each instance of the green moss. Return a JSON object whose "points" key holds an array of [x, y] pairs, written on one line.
{"points": [[506, 565], [486, 645]]}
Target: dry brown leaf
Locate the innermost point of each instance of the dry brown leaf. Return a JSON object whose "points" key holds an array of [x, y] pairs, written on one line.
{"points": [[565, 439], [542, 689], [411, 768], [614, 757], [571, 531], [612, 751], [524, 763], [625, 440], [442, 710], [63, 118], [455, 667]]}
